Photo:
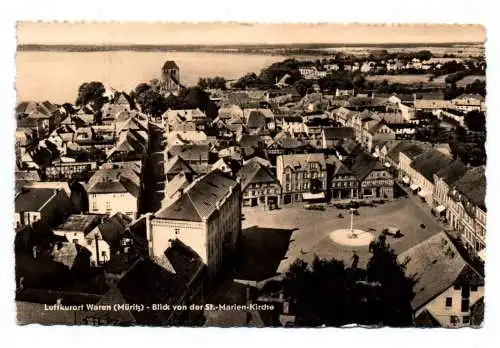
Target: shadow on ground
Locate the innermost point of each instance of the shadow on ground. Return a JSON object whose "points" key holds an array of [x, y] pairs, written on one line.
{"points": [[260, 252]]}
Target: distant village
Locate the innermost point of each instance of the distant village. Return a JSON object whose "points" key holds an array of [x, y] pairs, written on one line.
{"points": [[142, 197]]}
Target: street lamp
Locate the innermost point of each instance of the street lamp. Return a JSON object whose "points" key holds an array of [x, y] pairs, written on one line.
{"points": [[352, 222]]}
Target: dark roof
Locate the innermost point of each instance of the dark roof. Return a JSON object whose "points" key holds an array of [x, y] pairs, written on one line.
{"points": [[430, 162], [256, 119], [177, 165], [452, 172], [184, 260], [170, 64], [409, 149], [253, 172], [114, 227], [199, 199], [473, 185], [33, 199], [336, 133], [426, 319], [363, 165], [80, 222], [190, 152], [435, 265]]}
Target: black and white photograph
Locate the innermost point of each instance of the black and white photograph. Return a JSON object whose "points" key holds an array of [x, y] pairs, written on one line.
{"points": [[259, 175]]}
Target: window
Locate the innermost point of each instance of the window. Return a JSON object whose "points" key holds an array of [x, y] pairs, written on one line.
{"points": [[306, 175], [465, 305], [34, 217], [177, 231], [89, 241], [103, 254], [456, 287], [466, 319], [449, 302], [465, 291], [287, 177]]}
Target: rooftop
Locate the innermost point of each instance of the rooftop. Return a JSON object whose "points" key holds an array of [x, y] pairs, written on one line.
{"points": [[80, 222], [33, 199]]}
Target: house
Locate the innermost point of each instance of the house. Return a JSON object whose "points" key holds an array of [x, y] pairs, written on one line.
{"points": [[293, 124], [206, 218], [344, 93], [455, 116], [374, 179], [331, 67], [253, 118], [108, 238], [230, 112], [44, 206], [401, 155], [444, 179], [312, 73], [187, 137], [421, 172], [114, 190], [282, 81], [302, 177], [175, 186], [467, 208], [469, 102], [259, 185], [432, 105], [344, 184], [195, 155], [77, 226], [374, 131], [184, 120], [176, 165], [222, 165], [446, 286], [256, 122], [130, 146], [341, 115], [332, 136]]}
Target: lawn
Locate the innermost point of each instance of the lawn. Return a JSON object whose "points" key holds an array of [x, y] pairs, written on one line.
{"points": [[311, 229], [470, 79], [407, 79]]}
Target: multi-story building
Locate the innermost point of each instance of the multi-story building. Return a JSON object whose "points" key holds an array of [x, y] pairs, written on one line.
{"points": [[259, 185], [115, 190], [206, 218], [467, 209], [45, 206], [344, 184], [374, 179], [302, 176], [421, 172], [446, 288], [444, 179], [469, 102]]}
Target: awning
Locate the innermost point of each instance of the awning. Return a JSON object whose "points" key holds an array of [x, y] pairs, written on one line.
{"points": [[308, 195], [440, 208], [406, 180], [414, 187], [387, 165], [423, 193]]}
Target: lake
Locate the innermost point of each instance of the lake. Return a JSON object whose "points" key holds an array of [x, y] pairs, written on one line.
{"points": [[56, 76]]}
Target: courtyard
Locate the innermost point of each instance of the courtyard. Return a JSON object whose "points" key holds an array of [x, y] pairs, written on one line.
{"points": [[309, 233]]}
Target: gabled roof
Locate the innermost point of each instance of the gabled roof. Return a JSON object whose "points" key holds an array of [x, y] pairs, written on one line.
{"points": [[256, 119], [301, 161], [430, 162], [31, 200], [118, 180], [409, 149], [337, 133], [255, 173], [363, 165], [177, 165], [200, 198], [112, 228], [435, 265], [190, 152], [80, 223]]}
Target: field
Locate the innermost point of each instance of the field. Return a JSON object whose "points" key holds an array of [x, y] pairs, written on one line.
{"points": [[407, 79]]}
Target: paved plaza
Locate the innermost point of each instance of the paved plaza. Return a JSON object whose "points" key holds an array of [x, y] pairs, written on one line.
{"points": [[311, 229]]}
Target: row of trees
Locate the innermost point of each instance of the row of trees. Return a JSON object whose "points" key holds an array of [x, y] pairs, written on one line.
{"points": [[216, 82]]}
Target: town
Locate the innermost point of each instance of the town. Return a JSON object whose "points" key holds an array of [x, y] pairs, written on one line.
{"points": [[330, 191]]}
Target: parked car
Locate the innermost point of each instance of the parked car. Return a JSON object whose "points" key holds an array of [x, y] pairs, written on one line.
{"points": [[314, 207]]}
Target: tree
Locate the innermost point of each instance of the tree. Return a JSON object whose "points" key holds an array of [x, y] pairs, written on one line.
{"points": [[195, 97], [475, 121], [141, 87], [91, 93], [303, 86], [152, 102]]}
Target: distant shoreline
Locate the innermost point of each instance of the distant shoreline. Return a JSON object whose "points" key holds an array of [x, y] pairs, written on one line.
{"points": [[278, 49]]}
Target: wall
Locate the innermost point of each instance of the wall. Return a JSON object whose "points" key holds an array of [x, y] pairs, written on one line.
{"points": [[438, 309], [56, 208], [118, 202]]}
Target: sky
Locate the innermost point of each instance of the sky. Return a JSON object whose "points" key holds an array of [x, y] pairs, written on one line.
{"points": [[80, 33]]}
